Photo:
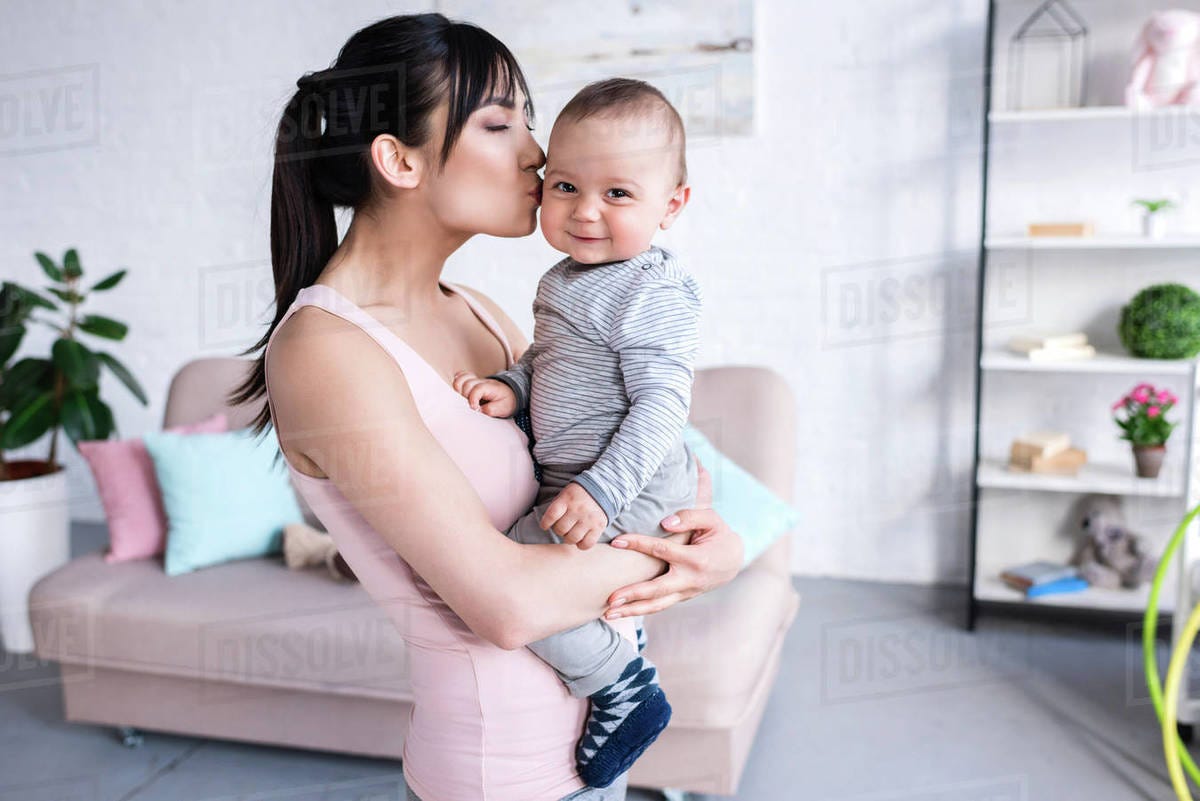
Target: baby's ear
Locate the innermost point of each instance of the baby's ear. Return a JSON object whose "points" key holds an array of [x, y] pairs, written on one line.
{"points": [[675, 205]]}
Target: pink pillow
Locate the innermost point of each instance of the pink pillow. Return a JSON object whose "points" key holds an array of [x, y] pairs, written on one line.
{"points": [[129, 492]]}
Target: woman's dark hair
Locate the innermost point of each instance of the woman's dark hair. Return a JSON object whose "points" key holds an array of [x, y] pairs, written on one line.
{"points": [[388, 78]]}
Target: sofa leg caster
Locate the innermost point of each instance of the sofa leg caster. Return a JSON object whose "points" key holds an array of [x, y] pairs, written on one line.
{"points": [[671, 794], [129, 736]]}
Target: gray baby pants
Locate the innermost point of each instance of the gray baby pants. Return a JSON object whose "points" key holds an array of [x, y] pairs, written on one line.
{"points": [[592, 655]]}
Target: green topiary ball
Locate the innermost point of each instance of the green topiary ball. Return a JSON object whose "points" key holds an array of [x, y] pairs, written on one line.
{"points": [[1162, 322]]}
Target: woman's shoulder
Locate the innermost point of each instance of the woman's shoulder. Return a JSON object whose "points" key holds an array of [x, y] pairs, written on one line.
{"points": [[306, 335], [320, 368], [516, 338]]}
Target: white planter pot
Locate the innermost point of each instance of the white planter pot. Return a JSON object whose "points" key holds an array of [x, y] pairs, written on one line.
{"points": [[1154, 225], [35, 538]]}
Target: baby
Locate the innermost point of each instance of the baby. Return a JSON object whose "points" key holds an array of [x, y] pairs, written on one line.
{"points": [[607, 383]]}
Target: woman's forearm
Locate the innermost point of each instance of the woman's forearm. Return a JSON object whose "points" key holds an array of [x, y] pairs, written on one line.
{"points": [[563, 586]]}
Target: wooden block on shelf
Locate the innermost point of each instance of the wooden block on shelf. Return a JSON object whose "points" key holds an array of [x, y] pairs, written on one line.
{"points": [[1065, 463], [1042, 444], [1062, 229]]}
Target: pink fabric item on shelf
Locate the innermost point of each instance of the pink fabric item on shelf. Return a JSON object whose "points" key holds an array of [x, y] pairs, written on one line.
{"points": [[129, 492]]}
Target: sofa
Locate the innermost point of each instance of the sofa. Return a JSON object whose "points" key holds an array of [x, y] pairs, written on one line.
{"points": [[251, 651]]}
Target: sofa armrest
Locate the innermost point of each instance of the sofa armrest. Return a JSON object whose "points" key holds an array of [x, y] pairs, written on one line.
{"points": [[749, 414]]}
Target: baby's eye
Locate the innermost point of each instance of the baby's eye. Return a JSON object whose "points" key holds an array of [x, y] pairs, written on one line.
{"points": [[568, 187], [622, 194]]}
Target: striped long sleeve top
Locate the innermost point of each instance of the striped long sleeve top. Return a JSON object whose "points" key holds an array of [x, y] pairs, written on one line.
{"points": [[608, 377]]}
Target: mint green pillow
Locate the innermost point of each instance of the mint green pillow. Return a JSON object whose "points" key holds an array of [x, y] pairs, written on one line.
{"points": [[750, 509], [223, 495]]}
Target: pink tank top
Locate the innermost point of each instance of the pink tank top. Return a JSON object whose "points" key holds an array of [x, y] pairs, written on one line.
{"points": [[486, 724]]}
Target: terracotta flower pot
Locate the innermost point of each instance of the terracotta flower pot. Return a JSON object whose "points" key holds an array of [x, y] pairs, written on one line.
{"points": [[1149, 459]]}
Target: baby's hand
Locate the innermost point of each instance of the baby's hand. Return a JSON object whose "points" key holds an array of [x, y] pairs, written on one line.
{"points": [[576, 517], [495, 397]]}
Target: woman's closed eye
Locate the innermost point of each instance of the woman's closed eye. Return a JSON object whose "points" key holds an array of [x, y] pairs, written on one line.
{"points": [[506, 127]]}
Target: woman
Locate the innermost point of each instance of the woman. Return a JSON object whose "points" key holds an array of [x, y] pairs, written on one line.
{"points": [[422, 128]]}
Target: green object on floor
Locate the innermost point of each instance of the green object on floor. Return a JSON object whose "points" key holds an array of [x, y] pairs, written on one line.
{"points": [[1150, 664]]}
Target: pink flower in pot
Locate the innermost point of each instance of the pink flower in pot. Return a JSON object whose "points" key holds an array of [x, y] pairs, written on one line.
{"points": [[1141, 415]]}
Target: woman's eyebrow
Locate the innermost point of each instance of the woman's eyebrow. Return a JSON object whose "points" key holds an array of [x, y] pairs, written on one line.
{"points": [[496, 100]]}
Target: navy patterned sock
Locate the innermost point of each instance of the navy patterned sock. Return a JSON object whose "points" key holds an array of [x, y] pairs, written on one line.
{"points": [[641, 637], [625, 718]]}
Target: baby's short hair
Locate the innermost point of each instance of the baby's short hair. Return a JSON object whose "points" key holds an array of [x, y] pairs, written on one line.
{"points": [[629, 98]]}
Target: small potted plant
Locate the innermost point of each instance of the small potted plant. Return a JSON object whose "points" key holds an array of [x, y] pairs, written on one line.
{"points": [[1153, 223], [37, 397], [1141, 415]]}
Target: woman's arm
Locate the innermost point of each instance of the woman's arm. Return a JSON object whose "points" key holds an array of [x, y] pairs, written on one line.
{"points": [[343, 403]]}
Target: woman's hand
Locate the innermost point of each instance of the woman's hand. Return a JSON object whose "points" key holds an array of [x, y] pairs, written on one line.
{"points": [[713, 557]]}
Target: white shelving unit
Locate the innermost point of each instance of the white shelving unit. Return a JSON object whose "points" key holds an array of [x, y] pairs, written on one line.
{"points": [[1110, 479], [1075, 164], [1110, 242], [1086, 114], [1102, 362]]}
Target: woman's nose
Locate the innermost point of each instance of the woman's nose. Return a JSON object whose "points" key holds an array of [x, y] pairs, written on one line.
{"points": [[533, 155]]}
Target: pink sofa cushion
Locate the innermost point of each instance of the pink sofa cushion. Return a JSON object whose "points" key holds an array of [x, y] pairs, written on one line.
{"points": [[129, 491]]}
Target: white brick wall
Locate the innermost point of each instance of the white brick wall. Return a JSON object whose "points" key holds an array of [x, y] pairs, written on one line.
{"points": [[862, 182]]}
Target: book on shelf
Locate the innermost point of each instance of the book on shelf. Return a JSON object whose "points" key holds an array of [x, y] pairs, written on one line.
{"points": [[1042, 347], [1062, 354], [1023, 343], [1031, 574], [1060, 587]]}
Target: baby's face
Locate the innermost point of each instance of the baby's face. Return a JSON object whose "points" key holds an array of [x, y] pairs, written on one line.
{"points": [[609, 186]]}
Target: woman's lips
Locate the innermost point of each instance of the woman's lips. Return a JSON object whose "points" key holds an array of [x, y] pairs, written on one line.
{"points": [[536, 194]]}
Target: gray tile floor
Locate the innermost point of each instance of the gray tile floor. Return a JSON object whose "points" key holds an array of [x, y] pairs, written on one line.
{"points": [[882, 697]]}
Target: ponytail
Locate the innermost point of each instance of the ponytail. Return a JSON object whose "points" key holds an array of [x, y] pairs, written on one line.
{"points": [[303, 227]]}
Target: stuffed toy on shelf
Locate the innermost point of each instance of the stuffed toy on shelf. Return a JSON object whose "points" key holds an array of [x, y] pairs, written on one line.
{"points": [[1166, 65], [1110, 555]]}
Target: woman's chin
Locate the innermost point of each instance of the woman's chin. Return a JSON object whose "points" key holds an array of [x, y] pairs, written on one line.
{"points": [[516, 231]]}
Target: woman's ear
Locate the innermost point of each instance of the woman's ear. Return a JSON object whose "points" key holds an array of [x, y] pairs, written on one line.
{"points": [[679, 198], [398, 164]]}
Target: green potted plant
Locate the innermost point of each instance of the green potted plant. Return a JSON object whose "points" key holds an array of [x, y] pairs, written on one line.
{"points": [[38, 396], [1142, 417], [1153, 224], [1162, 322]]}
